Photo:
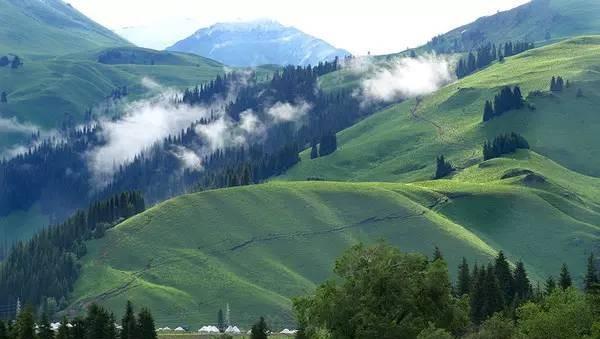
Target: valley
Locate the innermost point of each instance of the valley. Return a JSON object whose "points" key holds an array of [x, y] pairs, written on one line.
{"points": [[186, 184]]}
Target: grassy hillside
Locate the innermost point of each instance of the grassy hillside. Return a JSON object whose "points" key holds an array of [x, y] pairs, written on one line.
{"points": [[43, 91], [538, 21], [255, 247], [49, 27], [401, 142]]}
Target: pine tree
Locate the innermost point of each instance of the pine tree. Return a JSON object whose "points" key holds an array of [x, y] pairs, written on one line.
{"points": [[3, 97], [146, 328], [488, 111], [550, 286], [443, 167], [477, 295], [464, 278], [437, 254], [553, 84], [504, 276], [24, 327], [260, 330], [522, 286], [220, 321], [44, 330], [4, 61], [591, 280], [564, 280], [493, 293], [3, 330], [128, 323]]}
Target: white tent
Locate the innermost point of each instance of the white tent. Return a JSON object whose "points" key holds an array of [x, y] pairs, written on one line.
{"points": [[233, 330], [286, 331], [166, 328], [208, 329], [179, 329]]}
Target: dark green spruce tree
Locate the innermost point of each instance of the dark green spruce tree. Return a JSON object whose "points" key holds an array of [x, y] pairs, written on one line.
{"points": [[260, 330], [521, 285], [314, 151], [592, 280], [146, 328], [488, 111], [564, 280], [464, 283], [128, 323], [220, 321], [443, 167], [504, 276], [549, 286], [44, 330]]}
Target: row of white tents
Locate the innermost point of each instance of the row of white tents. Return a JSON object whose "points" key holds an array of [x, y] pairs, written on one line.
{"points": [[214, 330]]}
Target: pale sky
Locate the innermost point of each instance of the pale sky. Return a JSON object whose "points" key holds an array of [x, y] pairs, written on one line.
{"points": [[376, 26]]}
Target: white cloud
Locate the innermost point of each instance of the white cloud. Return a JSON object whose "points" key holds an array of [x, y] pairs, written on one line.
{"points": [[14, 126], [143, 124], [406, 78], [286, 112], [189, 159]]}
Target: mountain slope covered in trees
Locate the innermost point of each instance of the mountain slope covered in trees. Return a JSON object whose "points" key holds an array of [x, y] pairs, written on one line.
{"points": [[50, 27], [539, 21]]}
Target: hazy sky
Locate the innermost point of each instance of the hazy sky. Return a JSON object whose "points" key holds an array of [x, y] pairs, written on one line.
{"points": [[378, 26]]}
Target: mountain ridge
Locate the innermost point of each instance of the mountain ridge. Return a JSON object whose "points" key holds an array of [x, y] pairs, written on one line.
{"points": [[244, 44]]}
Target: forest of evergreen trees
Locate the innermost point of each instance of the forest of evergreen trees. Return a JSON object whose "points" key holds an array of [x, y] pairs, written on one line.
{"points": [[508, 99], [98, 323], [487, 54], [503, 144], [41, 271], [55, 172], [443, 167]]}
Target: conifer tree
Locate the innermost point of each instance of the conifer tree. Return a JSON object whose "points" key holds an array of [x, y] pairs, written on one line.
{"points": [[522, 286], [146, 327], [553, 84], [504, 276], [16, 62], [259, 330], [24, 327], [591, 280], [437, 254], [44, 330], [564, 280], [488, 111], [3, 97], [4, 61], [3, 330], [464, 278], [220, 321], [550, 286], [314, 151], [493, 293], [443, 167], [128, 323]]}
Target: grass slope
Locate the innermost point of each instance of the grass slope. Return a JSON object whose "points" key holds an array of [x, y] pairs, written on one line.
{"points": [[538, 21], [49, 27], [256, 247], [400, 143]]}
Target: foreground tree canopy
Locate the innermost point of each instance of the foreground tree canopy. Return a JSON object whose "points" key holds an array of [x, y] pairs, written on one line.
{"points": [[381, 292]]}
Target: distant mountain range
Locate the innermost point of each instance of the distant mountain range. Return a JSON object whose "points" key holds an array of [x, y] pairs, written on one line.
{"points": [[50, 27], [258, 42]]}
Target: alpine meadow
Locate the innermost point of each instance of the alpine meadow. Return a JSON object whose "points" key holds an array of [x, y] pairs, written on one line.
{"points": [[266, 175]]}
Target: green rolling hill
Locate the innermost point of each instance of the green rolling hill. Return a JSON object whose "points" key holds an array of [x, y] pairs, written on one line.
{"points": [[401, 142], [43, 91], [50, 27], [256, 247], [539, 21]]}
